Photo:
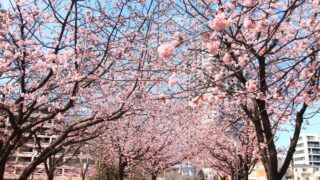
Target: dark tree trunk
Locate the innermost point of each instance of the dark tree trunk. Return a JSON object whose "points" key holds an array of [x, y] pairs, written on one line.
{"points": [[154, 177], [222, 177], [121, 172], [50, 176], [2, 167], [110, 175], [233, 176], [27, 172], [245, 175], [5, 151]]}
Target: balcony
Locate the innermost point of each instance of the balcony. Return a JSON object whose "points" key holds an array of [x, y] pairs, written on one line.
{"points": [[315, 151], [315, 160], [311, 138], [313, 144]]}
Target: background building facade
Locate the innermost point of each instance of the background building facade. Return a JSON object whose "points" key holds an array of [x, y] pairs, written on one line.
{"points": [[306, 159], [307, 150]]}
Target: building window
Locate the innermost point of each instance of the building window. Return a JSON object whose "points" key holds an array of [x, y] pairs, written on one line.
{"points": [[299, 159], [26, 149], [315, 158], [24, 159], [72, 162], [315, 151], [310, 137], [300, 145], [313, 144], [58, 172], [39, 171], [300, 152], [45, 140]]}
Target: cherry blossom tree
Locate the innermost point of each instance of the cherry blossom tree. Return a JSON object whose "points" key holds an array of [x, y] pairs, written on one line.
{"points": [[62, 157], [74, 64], [174, 140], [232, 151], [155, 139], [262, 55], [122, 147], [80, 65]]}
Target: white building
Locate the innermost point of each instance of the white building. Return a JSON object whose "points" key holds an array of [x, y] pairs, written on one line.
{"points": [[307, 151], [186, 169], [26, 153], [306, 172], [306, 159]]}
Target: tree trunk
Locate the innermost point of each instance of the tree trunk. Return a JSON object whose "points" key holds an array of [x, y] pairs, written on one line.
{"points": [[232, 176], [154, 177], [4, 156], [222, 177], [27, 172], [273, 176], [2, 167], [110, 175], [121, 172], [50, 176], [32, 166], [245, 174]]}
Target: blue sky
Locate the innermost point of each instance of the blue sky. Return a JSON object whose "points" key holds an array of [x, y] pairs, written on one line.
{"points": [[313, 126]]}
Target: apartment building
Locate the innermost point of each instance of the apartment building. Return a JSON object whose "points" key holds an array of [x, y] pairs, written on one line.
{"points": [[307, 150], [306, 159], [73, 164]]}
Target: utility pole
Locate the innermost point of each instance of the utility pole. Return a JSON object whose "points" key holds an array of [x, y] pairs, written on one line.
{"points": [[236, 161]]}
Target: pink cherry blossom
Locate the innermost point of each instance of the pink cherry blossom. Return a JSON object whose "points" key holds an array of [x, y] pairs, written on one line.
{"points": [[166, 50], [213, 47], [248, 24], [249, 3], [220, 22], [251, 85], [226, 59], [243, 60], [172, 80]]}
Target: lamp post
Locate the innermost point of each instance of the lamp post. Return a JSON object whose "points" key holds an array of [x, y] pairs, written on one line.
{"points": [[236, 160], [85, 166]]}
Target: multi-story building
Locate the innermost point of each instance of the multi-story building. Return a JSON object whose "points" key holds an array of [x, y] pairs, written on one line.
{"points": [[306, 159], [306, 172], [258, 172], [307, 151], [186, 169], [72, 163]]}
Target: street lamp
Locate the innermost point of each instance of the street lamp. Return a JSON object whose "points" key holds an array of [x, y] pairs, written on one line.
{"points": [[86, 164], [236, 160]]}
